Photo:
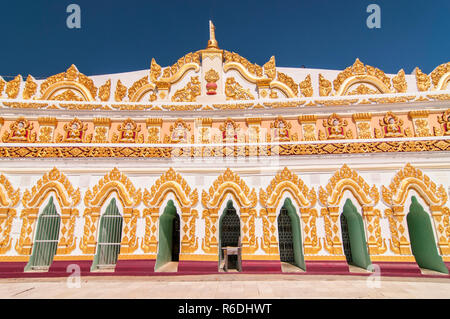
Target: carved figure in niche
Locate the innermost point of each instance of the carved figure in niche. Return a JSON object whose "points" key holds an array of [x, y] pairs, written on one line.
{"points": [[179, 132], [392, 125], [74, 132], [334, 126], [128, 132], [281, 130], [444, 119], [20, 132], [229, 131]]}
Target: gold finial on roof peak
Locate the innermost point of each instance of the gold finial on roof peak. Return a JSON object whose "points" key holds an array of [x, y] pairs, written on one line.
{"points": [[212, 43]]}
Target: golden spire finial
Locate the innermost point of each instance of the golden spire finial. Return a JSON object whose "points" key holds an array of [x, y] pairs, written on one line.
{"points": [[212, 43]]}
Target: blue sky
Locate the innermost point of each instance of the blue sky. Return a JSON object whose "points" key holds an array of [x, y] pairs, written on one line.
{"points": [[122, 36]]}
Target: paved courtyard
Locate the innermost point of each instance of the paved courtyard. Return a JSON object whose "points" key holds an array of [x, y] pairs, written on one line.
{"points": [[227, 286]]}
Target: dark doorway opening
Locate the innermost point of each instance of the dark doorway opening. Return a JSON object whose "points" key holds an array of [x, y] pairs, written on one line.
{"points": [[285, 237], [230, 231]]}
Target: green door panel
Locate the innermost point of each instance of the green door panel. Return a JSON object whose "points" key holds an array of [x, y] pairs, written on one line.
{"points": [[423, 243], [360, 254], [165, 235], [296, 234]]}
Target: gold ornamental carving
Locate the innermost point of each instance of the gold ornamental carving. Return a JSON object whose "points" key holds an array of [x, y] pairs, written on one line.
{"points": [[13, 87], [30, 88], [121, 92], [20, 131], [211, 78], [288, 182], [440, 76], [324, 86], [75, 132], [95, 198], [56, 183], [128, 132], [281, 131], [246, 199], [422, 80], [395, 196], [335, 127], [392, 126], [170, 182], [71, 79], [9, 198], [189, 93], [399, 82], [444, 120], [235, 91], [364, 74], [330, 197], [306, 86], [105, 91]]}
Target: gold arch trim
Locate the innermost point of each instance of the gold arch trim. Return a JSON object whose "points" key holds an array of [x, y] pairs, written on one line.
{"points": [[9, 197], [67, 197], [229, 183], [129, 197], [52, 91], [170, 182], [411, 178], [365, 79]]}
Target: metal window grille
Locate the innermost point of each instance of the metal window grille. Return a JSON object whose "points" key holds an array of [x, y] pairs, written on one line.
{"points": [[47, 235], [230, 232], [285, 238], [346, 239], [110, 236]]}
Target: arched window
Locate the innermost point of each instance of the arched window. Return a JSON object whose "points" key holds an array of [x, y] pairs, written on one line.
{"points": [[169, 237], [46, 240], [290, 236], [109, 238], [423, 243], [229, 233]]}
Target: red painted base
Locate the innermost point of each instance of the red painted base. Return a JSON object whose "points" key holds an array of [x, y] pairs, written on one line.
{"points": [[198, 266], [398, 268], [327, 267], [261, 266]]}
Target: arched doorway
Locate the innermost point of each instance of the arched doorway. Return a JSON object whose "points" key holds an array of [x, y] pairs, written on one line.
{"points": [[229, 233], [423, 243], [353, 237], [290, 236], [169, 237], [109, 238], [46, 240]]}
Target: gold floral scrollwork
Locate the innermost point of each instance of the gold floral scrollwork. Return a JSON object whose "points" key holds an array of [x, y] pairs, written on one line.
{"points": [[30, 88], [73, 79], [270, 199], [395, 196], [67, 198], [422, 80], [246, 199], [170, 182], [20, 131], [189, 93], [441, 76], [128, 133], [270, 69], [13, 87], [9, 197], [330, 197], [235, 91], [324, 86], [360, 73], [105, 91], [399, 82], [306, 87], [121, 91], [94, 200]]}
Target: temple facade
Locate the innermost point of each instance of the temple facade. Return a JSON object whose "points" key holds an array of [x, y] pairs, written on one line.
{"points": [[330, 171]]}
